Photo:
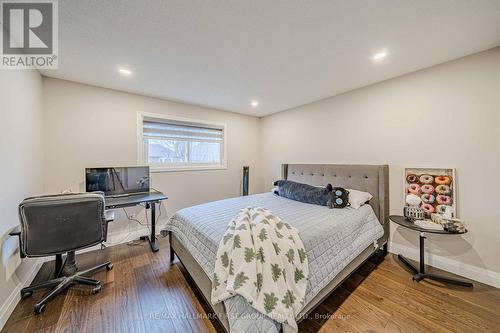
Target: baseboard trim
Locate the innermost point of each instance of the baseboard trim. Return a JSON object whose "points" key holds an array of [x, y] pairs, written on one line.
{"points": [[480, 274], [15, 296]]}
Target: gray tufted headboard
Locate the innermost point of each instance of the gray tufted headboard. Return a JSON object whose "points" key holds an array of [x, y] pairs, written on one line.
{"points": [[369, 178]]}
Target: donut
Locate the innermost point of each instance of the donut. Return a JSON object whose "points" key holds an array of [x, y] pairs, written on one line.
{"points": [[411, 178], [443, 189], [427, 188], [427, 208], [414, 188], [443, 180], [426, 179], [443, 199], [441, 209], [428, 198], [413, 200]]}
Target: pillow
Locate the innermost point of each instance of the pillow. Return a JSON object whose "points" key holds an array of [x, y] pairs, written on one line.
{"points": [[304, 192], [358, 198]]}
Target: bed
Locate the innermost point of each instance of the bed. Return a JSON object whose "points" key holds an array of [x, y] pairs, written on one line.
{"points": [[337, 241]]}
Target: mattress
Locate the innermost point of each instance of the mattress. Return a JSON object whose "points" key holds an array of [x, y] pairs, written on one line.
{"points": [[332, 239]]}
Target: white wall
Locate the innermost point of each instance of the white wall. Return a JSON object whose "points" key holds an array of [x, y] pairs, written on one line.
{"points": [[21, 151], [444, 116], [87, 126]]}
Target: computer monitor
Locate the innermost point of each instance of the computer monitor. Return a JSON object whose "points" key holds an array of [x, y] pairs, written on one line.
{"points": [[117, 180]]}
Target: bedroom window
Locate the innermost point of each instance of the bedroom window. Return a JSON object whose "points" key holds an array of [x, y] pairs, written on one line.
{"points": [[172, 144]]}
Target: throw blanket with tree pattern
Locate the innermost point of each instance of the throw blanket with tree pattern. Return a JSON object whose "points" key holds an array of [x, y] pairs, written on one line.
{"points": [[262, 258]]}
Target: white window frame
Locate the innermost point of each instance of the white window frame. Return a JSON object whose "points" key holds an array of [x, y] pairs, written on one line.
{"points": [[142, 159]]}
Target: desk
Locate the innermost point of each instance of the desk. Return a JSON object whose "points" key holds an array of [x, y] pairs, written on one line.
{"points": [[150, 199]]}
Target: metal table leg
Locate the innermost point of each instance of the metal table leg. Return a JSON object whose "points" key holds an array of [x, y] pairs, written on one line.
{"points": [[152, 238]]}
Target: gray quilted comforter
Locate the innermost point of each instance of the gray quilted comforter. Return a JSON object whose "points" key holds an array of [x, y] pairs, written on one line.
{"points": [[332, 239]]}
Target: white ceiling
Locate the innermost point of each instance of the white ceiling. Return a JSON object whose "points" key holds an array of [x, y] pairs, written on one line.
{"points": [[224, 54]]}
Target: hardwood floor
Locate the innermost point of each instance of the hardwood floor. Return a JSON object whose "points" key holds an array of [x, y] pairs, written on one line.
{"points": [[144, 293]]}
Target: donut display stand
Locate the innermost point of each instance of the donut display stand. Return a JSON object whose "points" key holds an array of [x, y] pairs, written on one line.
{"points": [[436, 187]]}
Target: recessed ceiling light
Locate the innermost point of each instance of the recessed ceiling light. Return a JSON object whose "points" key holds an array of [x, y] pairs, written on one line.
{"points": [[125, 71], [254, 104], [380, 55]]}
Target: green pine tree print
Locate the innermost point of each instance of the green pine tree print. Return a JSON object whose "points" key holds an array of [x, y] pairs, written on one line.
{"points": [[242, 227], [227, 237], [299, 275], [270, 302], [290, 255], [265, 221], [288, 299], [258, 283], [240, 280], [231, 268], [278, 234], [276, 248], [260, 255], [291, 238], [225, 259], [249, 254], [237, 242], [262, 234], [302, 255], [275, 272], [280, 225], [215, 282]]}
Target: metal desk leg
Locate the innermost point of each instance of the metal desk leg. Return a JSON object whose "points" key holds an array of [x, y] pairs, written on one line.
{"points": [[152, 238], [58, 266], [172, 253]]}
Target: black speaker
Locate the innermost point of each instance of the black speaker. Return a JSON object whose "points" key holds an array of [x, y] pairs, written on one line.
{"points": [[246, 172]]}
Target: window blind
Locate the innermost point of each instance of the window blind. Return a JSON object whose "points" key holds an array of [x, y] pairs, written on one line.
{"points": [[172, 131]]}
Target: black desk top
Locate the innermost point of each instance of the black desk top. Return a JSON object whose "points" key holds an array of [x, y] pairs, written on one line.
{"points": [[402, 221], [134, 199]]}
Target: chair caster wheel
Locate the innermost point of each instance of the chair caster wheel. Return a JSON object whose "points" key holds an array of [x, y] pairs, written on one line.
{"points": [[39, 308], [109, 267], [96, 289], [26, 294]]}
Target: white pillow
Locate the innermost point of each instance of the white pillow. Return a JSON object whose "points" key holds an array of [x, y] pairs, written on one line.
{"points": [[358, 198]]}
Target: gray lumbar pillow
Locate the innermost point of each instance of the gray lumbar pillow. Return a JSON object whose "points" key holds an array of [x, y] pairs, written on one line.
{"points": [[304, 192]]}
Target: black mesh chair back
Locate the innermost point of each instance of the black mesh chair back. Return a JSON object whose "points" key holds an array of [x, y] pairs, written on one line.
{"points": [[55, 224]]}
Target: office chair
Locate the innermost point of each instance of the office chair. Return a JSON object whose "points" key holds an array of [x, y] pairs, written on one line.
{"points": [[58, 224]]}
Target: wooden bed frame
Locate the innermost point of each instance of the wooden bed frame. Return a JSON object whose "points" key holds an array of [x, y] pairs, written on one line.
{"points": [[369, 178]]}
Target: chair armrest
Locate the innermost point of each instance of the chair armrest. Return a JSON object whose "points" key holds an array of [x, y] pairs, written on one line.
{"points": [[16, 231]]}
